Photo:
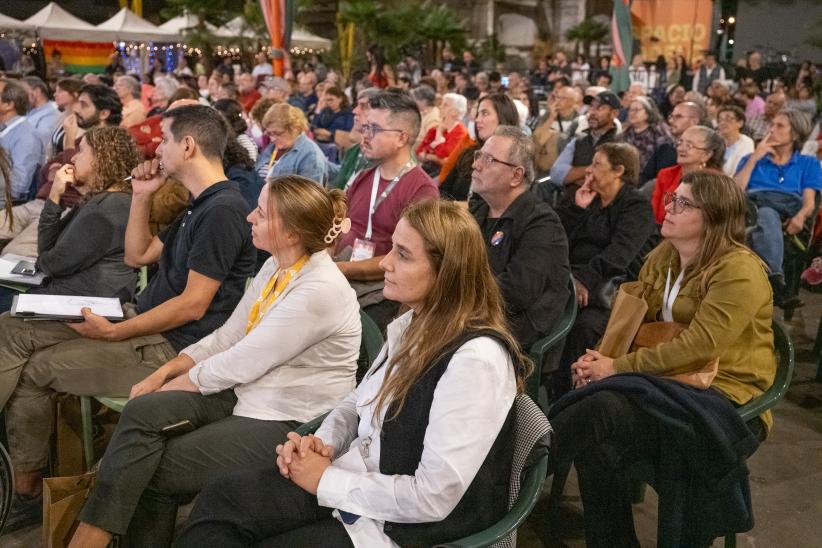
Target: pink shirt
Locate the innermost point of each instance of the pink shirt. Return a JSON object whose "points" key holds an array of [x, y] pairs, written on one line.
{"points": [[755, 107], [414, 186]]}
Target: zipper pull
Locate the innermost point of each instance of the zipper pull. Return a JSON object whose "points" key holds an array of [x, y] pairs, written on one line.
{"points": [[365, 447]]}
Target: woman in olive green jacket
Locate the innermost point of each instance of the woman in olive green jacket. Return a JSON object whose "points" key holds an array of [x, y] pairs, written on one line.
{"points": [[703, 276]]}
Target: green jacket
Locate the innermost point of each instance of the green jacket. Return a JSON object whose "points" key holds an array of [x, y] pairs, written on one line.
{"points": [[729, 311]]}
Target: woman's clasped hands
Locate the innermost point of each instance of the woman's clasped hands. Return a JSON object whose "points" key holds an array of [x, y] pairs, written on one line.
{"points": [[591, 367], [303, 459]]}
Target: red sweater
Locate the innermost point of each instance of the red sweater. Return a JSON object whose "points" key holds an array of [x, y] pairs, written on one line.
{"points": [[442, 150], [667, 180]]}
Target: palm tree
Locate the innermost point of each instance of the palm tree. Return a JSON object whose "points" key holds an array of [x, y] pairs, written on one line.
{"points": [[587, 32]]}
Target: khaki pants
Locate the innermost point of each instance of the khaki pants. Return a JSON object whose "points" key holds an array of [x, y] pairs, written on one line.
{"points": [[23, 235], [41, 357]]}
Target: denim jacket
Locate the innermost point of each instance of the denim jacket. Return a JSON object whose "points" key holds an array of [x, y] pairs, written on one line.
{"points": [[303, 158]]}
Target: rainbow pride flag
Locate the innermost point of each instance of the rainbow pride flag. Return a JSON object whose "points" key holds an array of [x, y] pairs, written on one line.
{"points": [[81, 57]]}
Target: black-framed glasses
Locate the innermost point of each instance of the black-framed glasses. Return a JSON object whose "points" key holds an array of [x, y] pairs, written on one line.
{"points": [[680, 204], [687, 145], [370, 130], [486, 160]]}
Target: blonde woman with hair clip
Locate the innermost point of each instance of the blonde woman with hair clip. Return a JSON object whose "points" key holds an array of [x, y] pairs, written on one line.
{"points": [[422, 448], [286, 353]]}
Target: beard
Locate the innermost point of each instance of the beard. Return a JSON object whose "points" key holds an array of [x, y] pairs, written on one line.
{"points": [[88, 123]]}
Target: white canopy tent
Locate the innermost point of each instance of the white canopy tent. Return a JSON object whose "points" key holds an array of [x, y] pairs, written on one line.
{"points": [[10, 23], [54, 23], [126, 25], [301, 38], [180, 24]]}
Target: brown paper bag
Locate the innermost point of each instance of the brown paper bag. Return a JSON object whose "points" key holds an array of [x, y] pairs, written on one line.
{"points": [[626, 332], [627, 314], [63, 498]]}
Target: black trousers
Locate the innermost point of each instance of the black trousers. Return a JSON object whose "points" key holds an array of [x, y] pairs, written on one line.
{"points": [[144, 475], [586, 332], [259, 507], [603, 434]]}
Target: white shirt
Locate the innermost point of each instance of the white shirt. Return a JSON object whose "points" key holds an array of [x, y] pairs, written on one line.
{"points": [[301, 358], [471, 403], [734, 153], [262, 69]]}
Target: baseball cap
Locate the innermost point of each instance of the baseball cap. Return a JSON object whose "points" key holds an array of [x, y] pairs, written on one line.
{"points": [[275, 82], [607, 98]]}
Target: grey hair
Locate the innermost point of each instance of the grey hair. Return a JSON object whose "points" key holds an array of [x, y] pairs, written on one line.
{"points": [[521, 152], [367, 93], [424, 94], [800, 125], [715, 145], [698, 111], [133, 85], [654, 116], [459, 101], [167, 85]]}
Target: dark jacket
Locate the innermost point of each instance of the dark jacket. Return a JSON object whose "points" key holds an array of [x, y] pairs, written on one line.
{"points": [[458, 182], [528, 253], [664, 156], [332, 121], [703, 444], [609, 242], [586, 146], [82, 252]]}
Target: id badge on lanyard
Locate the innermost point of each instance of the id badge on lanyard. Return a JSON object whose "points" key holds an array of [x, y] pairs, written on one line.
{"points": [[364, 248]]}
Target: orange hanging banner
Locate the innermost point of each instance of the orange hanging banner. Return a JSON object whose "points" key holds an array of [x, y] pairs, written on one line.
{"points": [[669, 27]]}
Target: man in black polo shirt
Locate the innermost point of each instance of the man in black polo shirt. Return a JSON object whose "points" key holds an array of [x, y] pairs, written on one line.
{"points": [[205, 257], [526, 244], [569, 169]]}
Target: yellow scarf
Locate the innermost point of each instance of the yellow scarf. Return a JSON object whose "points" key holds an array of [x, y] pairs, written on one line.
{"points": [[271, 291]]}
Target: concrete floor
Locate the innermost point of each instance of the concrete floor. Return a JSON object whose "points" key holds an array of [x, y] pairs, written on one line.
{"points": [[786, 472]]}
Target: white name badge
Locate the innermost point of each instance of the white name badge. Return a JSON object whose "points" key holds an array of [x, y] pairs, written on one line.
{"points": [[363, 250]]}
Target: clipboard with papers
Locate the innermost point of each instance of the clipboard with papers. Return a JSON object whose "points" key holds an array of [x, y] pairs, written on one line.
{"points": [[64, 307]]}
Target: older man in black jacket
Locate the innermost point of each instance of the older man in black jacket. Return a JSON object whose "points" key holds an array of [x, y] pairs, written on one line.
{"points": [[526, 243]]}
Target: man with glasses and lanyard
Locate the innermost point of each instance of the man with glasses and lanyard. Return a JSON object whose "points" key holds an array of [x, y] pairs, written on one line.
{"points": [[525, 240], [378, 196]]}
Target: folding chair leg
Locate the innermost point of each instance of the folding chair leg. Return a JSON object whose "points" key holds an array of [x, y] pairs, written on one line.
{"points": [[88, 431], [730, 541]]}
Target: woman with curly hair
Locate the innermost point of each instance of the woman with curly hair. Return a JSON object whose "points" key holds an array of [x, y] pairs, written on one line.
{"points": [[81, 253]]}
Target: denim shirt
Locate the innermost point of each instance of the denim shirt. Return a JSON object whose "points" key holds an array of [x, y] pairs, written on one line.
{"points": [[24, 150], [303, 158]]}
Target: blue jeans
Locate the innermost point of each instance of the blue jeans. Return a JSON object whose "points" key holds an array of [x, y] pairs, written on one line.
{"points": [[766, 239]]}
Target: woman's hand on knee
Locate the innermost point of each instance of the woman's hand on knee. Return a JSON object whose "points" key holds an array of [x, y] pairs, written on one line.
{"points": [[150, 384]]}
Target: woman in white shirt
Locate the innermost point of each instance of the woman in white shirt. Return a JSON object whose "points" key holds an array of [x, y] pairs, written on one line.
{"points": [[730, 121], [286, 353], [420, 452]]}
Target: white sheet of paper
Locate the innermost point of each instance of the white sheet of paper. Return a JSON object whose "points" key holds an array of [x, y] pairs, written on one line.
{"points": [[9, 261], [68, 305]]}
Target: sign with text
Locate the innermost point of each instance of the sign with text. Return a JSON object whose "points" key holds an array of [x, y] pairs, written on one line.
{"points": [[668, 27]]}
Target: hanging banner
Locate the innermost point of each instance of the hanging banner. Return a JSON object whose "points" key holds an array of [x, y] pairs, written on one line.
{"points": [[670, 27], [621, 34], [279, 18], [81, 57]]}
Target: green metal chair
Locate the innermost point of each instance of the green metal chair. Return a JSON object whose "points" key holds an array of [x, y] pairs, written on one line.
{"points": [[532, 428], [539, 350], [643, 472], [370, 345]]}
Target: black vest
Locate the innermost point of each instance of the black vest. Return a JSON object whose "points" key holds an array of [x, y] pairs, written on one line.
{"points": [[401, 445], [585, 147]]}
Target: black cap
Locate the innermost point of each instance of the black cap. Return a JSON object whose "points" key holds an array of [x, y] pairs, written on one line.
{"points": [[608, 98]]}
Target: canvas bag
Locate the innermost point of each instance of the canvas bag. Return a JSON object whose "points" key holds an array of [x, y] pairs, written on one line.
{"points": [[63, 498], [626, 331]]}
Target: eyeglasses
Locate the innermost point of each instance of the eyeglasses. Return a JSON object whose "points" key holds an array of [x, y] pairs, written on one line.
{"points": [[486, 160], [680, 203], [370, 130], [687, 145], [678, 116]]}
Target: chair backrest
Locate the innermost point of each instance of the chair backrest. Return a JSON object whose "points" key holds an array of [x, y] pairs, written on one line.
{"points": [[528, 470], [370, 345], [542, 347], [783, 347]]}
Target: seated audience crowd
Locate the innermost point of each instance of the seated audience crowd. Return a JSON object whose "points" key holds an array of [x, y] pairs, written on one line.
{"points": [[460, 210]]}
